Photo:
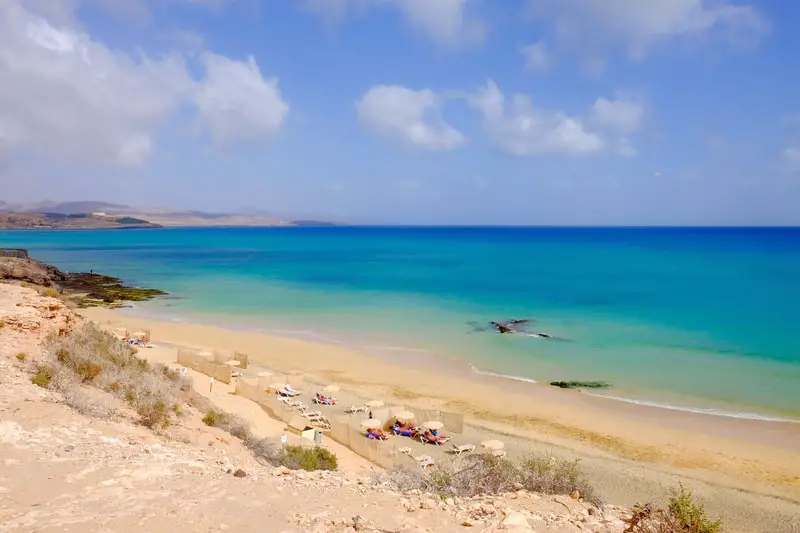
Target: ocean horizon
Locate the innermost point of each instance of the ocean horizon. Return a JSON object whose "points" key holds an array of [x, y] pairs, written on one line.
{"points": [[697, 319]]}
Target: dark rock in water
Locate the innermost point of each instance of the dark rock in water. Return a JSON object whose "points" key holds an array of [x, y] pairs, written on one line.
{"points": [[509, 326], [580, 384]]}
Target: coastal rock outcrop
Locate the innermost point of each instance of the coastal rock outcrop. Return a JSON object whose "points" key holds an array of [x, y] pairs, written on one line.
{"points": [[30, 271]]}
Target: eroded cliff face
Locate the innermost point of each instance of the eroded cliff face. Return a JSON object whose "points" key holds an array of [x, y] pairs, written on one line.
{"points": [[30, 271], [27, 318]]}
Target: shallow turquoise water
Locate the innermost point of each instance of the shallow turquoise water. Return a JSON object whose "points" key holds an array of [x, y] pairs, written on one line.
{"points": [[691, 317]]}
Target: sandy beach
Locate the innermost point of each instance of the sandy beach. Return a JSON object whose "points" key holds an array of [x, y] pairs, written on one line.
{"points": [[748, 471]]}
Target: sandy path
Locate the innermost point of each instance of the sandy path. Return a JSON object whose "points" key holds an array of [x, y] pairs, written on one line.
{"points": [[224, 398]]}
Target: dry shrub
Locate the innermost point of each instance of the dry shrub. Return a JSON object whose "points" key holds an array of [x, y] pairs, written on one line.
{"points": [[310, 458], [97, 358], [270, 451], [49, 292], [682, 515], [480, 474], [293, 457], [236, 426], [43, 376], [21, 356]]}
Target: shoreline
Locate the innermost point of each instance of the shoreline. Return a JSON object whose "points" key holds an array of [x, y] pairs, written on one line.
{"points": [[455, 366], [756, 456]]}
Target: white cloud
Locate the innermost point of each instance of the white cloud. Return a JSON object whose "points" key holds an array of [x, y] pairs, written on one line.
{"points": [[791, 157], [449, 23], [592, 26], [412, 117], [537, 56], [65, 95], [521, 129], [620, 115], [236, 103], [444, 21]]}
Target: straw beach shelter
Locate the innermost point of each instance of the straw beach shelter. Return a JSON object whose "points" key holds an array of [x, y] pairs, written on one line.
{"points": [[433, 425], [404, 416], [264, 374], [371, 423], [374, 404]]}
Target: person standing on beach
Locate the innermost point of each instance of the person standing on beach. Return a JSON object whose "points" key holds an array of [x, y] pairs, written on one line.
{"points": [[210, 383]]}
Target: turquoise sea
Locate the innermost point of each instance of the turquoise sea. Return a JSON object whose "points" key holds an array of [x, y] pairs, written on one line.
{"points": [[699, 319]]}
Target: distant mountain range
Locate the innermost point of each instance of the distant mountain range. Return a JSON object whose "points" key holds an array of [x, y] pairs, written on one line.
{"points": [[50, 212]]}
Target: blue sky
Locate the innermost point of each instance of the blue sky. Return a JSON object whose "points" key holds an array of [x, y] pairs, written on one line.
{"points": [[408, 111]]}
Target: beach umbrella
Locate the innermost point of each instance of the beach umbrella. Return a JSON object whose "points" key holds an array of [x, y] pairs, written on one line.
{"points": [[371, 423], [139, 334], [278, 385], [374, 404], [404, 416], [330, 388], [493, 444], [264, 374], [233, 362], [435, 425], [204, 353]]}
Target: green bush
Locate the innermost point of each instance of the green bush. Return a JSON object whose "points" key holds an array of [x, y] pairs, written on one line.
{"points": [[269, 451], [682, 515], [691, 516], [43, 376], [49, 291], [310, 458], [234, 425]]}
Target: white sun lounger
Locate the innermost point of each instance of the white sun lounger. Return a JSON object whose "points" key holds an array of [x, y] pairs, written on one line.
{"points": [[464, 448]]}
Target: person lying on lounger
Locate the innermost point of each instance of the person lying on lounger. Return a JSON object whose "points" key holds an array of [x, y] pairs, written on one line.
{"points": [[434, 438], [325, 400], [376, 434], [406, 430]]}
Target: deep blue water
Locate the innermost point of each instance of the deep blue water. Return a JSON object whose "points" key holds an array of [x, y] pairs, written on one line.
{"points": [[707, 317]]}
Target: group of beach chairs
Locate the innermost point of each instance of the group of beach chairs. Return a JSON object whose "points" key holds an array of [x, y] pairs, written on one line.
{"points": [[424, 435], [315, 418]]}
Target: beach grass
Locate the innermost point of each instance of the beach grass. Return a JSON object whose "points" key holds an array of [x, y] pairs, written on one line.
{"points": [[90, 356], [682, 515], [483, 474]]}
